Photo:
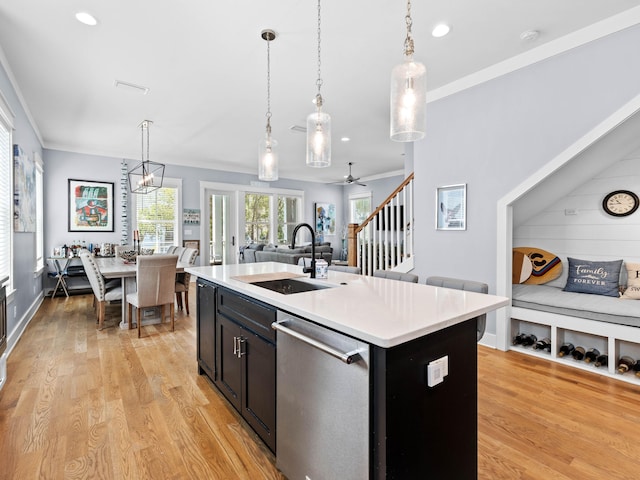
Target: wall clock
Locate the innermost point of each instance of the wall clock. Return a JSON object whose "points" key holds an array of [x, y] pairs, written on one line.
{"points": [[620, 203]]}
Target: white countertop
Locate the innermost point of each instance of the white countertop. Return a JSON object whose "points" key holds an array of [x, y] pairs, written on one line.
{"points": [[376, 310]]}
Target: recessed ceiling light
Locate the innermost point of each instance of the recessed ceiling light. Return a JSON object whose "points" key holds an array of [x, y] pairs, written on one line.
{"points": [[86, 18], [345, 139], [440, 30]]}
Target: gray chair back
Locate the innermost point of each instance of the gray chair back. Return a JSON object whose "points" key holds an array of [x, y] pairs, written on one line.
{"points": [[346, 269], [391, 275], [122, 248], [467, 285], [156, 279]]}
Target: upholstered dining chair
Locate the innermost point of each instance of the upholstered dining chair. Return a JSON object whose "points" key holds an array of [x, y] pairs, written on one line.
{"points": [[102, 291], [171, 250], [155, 279], [345, 269], [403, 277], [183, 279], [467, 285]]}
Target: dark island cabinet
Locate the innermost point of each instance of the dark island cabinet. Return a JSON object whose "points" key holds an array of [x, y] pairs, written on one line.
{"points": [[245, 356], [206, 327]]}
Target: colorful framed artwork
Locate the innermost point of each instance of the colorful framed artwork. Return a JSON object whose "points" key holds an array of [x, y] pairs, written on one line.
{"points": [[325, 214], [24, 194], [90, 206], [451, 207]]}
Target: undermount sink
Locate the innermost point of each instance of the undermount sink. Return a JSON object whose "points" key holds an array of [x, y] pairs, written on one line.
{"points": [[287, 286]]}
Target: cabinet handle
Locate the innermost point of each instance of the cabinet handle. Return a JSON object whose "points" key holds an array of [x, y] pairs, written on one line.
{"points": [[235, 346], [241, 351]]}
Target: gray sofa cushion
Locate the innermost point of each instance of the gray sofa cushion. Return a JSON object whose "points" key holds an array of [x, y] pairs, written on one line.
{"points": [[581, 305]]}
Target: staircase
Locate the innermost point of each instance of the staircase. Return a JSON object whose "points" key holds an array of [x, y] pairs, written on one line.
{"points": [[384, 241]]}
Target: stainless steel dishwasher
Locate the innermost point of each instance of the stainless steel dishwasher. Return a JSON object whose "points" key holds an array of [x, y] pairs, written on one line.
{"points": [[322, 402]]}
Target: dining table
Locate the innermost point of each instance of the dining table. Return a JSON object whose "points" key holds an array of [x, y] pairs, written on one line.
{"points": [[116, 267]]}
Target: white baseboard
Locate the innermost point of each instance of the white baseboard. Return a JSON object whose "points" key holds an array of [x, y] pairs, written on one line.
{"points": [[19, 329], [488, 340]]}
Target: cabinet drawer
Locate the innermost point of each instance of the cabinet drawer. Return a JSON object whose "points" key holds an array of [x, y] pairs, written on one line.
{"points": [[251, 314]]}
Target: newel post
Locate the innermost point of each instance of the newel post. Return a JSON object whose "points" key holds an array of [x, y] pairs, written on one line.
{"points": [[352, 245]]}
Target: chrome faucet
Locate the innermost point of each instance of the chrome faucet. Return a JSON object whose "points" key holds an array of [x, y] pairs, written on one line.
{"points": [[311, 270]]}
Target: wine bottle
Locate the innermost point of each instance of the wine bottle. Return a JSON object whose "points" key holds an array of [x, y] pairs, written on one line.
{"points": [[602, 360], [591, 355], [566, 349], [625, 364], [518, 339], [544, 344], [578, 353], [529, 340], [636, 368]]}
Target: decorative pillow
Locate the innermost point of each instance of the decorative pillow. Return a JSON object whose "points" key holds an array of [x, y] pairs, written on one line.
{"points": [[599, 278], [633, 281]]}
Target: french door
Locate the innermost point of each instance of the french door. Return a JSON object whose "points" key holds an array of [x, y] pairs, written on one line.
{"points": [[220, 232]]}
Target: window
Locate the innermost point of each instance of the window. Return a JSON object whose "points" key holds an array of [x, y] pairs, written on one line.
{"points": [[157, 216], [359, 207], [288, 217], [270, 217], [257, 221], [6, 191], [39, 215]]}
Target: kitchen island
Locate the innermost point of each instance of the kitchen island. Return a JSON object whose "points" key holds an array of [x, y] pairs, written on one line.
{"points": [[414, 346]]}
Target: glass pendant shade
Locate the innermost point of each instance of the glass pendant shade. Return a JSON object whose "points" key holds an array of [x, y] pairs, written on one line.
{"points": [[319, 139], [408, 101], [268, 159]]}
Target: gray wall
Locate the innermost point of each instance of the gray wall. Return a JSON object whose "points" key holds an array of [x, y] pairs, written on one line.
{"points": [[64, 165], [495, 135], [27, 285]]}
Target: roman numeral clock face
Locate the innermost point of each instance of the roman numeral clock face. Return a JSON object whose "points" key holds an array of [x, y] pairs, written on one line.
{"points": [[620, 203]]}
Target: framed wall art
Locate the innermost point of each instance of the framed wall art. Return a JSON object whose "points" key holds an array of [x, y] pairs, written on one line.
{"points": [[90, 206], [325, 218], [24, 193], [451, 207]]}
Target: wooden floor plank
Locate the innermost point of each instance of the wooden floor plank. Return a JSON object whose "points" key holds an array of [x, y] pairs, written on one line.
{"points": [[82, 403]]}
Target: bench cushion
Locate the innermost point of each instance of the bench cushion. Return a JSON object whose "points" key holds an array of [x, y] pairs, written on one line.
{"points": [[592, 307]]}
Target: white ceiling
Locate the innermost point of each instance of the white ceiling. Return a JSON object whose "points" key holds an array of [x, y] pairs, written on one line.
{"points": [[205, 65]]}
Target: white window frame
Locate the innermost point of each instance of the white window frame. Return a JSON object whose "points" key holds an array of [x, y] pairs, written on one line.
{"points": [[358, 196], [39, 214], [274, 193], [168, 183], [7, 119]]}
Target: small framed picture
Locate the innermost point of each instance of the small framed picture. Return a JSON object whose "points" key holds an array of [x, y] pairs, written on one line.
{"points": [[192, 244], [451, 207]]}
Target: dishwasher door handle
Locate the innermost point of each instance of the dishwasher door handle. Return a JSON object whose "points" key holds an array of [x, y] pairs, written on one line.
{"points": [[346, 357]]}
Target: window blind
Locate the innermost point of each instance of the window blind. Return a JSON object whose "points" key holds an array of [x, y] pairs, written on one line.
{"points": [[6, 211], [157, 218]]}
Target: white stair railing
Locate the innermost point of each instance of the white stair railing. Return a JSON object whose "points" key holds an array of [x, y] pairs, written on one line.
{"points": [[384, 241]]}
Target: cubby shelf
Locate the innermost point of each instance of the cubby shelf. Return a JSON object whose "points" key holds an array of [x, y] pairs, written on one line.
{"points": [[610, 338]]}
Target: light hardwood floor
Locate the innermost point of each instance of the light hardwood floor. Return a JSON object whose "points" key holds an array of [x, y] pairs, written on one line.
{"points": [[82, 403]]}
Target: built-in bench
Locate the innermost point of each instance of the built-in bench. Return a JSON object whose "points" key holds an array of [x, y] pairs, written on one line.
{"points": [[593, 307], [609, 324]]}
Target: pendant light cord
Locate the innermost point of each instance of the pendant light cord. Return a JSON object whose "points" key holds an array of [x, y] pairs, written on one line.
{"points": [[319, 80], [408, 42], [268, 86]]}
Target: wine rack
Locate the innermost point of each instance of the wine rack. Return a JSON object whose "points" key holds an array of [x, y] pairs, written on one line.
{"points": [[610, 338]]}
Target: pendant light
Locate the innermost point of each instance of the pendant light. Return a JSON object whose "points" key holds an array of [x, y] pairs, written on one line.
{"points": [[268, 147], [319, 125], [147, 176], [408, 93]]}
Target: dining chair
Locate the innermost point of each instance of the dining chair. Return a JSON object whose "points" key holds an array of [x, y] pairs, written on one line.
{"points": [[183, 279], [403, 277], [171, 250], [345, 268], [122, 248], [155, 279], [103, 293]]}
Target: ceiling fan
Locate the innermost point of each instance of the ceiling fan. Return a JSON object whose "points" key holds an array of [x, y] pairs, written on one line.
{"points": [[350, 179]]}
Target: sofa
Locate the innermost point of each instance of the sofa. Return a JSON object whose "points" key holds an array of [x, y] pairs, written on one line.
{"points": [[283, 254]]}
